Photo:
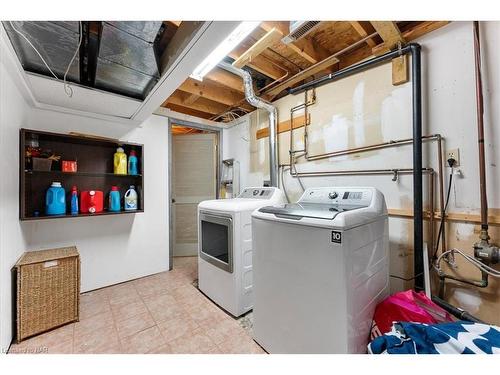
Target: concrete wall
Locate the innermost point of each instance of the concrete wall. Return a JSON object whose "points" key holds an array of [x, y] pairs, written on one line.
{"points": [[113, 249], [367, 109]]}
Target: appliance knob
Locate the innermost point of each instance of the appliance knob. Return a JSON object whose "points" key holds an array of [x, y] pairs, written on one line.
{"points": [[333, 195]]}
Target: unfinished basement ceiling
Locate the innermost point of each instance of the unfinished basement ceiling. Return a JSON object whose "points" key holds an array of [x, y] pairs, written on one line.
{"points": [[121, 57], [277, 66]]}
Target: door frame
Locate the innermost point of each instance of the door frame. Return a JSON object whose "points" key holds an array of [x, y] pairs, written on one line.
{"points": [[218, 131]]}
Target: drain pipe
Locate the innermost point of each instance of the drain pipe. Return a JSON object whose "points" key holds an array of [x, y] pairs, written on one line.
{"points": [[273, 117]]}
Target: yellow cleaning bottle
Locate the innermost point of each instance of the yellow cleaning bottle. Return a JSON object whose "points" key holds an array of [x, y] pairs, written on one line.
{"points": [[120, 161]]}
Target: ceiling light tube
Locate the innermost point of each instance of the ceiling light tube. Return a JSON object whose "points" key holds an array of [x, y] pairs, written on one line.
{"points": [[221, 51]]}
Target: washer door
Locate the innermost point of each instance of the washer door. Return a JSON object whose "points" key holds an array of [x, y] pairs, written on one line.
{"points": [[216, 240]]}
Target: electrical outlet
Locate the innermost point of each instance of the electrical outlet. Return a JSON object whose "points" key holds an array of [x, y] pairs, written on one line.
{"points": [[454, 154]]}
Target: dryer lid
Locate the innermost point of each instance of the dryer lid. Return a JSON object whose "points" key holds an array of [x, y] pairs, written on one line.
{"points": [[312, 210]]}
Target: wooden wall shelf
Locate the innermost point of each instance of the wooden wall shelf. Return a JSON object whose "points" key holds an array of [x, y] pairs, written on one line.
{"points": [[95, 172]]}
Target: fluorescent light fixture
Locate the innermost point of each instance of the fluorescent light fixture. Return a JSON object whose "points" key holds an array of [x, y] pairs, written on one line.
{"points": [[227, 45]]}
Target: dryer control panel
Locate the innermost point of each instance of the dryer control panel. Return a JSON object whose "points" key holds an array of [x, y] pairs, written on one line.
{"points": [[257, 193], [348, 196]]}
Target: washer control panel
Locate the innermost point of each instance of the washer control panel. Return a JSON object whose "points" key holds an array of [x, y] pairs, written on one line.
{"points": [[338, 195], [257, 193]]}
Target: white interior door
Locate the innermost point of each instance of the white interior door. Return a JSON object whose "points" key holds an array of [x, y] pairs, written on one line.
{"points": [[194, 180]]}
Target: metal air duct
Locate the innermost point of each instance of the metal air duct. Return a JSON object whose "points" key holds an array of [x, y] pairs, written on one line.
{"points": [[273, 117]]}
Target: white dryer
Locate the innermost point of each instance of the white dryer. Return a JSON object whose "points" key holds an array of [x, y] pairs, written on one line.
{"points": [[320, 268], [225, 247]]}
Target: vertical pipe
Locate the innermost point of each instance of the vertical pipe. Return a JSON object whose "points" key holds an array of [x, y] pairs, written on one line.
{"points": [[418, 233], [480, 133], [273, 117]]}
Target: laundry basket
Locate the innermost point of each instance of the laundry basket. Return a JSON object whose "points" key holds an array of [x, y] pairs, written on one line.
{"points": [[48, 290]]}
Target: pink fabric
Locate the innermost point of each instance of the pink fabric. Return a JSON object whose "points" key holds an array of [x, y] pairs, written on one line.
{"points": [[407, 306]]}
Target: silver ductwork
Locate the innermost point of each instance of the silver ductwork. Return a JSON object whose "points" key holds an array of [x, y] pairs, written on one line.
{"points": [[273, 117]]}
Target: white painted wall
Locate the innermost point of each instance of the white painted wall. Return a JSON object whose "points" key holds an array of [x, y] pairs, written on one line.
{"points": [[113, 249], [13, 114], [236, 143], [366, 109]]}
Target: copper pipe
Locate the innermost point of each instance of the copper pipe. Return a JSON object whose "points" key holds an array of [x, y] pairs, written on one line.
{"points": [[377, 146], [480, 133]]}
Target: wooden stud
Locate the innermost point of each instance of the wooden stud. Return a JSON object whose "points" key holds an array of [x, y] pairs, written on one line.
{"points": [[271, 37], [284, 126], [400, 70]]}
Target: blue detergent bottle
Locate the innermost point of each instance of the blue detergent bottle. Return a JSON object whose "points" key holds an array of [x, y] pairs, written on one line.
{"points": [[55, 200], [74, 201], [133, 164], [114, 199]]}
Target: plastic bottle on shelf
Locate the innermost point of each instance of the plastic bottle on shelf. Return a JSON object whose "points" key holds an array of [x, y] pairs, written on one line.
{"points": [[55, 200], [74, 201], [120, 161], [114, 199], [132, 163], [131, 199]]}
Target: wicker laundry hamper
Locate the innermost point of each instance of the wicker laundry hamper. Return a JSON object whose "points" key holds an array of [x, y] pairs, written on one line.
{"points": [[48, 290]]}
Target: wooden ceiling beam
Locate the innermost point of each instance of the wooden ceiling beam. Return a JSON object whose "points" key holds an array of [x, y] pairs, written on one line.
{"points": [[364, 28], [201, 104], [313, 69], [390, 34], [211, 91], [259, 63], [270, 38], [225, 78], [422, 29], [186, 110], [306, 47]]}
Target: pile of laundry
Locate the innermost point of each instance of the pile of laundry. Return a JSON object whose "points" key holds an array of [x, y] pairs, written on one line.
{"points": [[410, 323]]}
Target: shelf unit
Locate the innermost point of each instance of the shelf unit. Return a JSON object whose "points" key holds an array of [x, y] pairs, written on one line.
{"points": [[95, 172]]}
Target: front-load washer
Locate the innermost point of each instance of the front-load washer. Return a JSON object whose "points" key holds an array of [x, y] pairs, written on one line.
{"points": [[225, 247], [320, 268]]}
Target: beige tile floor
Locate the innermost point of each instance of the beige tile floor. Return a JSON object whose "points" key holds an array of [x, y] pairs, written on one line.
{"points": [[163, 313]]}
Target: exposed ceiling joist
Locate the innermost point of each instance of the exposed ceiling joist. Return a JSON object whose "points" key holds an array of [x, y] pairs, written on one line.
{"points": [[305, 47], [270, 38], [364, 28], [390, 34], [259, 63], [201, 104], [316, 68], [212, 91], [309, 49], [225, 78], [187, 110]]}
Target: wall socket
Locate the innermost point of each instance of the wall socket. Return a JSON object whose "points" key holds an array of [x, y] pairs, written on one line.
{"points": [[454, 154]]}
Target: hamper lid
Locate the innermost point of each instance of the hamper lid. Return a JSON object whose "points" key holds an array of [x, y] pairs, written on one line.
{"points": [[39, 256]]}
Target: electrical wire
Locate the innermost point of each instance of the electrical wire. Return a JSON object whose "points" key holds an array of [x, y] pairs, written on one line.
{"points": [[67, 88], [441, 224]]}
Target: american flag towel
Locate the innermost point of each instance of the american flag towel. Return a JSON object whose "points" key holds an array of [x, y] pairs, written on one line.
{"points": [[445, 338]]}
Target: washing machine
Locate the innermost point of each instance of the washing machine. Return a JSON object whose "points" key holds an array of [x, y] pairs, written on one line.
{"points": [[320, 266], [225, 247]]}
